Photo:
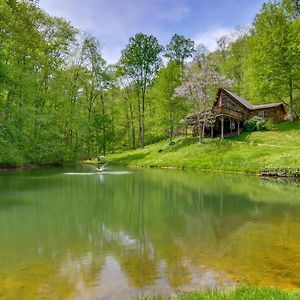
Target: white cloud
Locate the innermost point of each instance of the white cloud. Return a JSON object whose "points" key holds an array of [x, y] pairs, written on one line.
{"points": [[114, 21], [209, 38]]}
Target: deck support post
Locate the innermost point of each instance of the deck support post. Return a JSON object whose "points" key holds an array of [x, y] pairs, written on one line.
{"points": [[238, 124], [222, 128], [212, 131]]}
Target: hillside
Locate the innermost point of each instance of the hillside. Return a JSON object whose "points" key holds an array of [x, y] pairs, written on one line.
{"points": [[250, 152]]}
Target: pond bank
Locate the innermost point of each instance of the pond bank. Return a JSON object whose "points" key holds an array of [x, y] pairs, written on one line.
{"points": [[241, 293], [27, 166], [267, 153]]}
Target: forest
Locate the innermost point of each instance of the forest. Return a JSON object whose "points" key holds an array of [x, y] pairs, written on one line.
{"points": [[60, 101]]}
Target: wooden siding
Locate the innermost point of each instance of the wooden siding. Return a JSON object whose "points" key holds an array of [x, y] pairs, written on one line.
{"points": [[230, 106], [273, 113]]}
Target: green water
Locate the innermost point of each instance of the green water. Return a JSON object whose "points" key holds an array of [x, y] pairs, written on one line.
{"points": [[116, 236]]}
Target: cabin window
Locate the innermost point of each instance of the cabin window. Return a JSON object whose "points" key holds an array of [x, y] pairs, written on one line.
{"points": [[262, 113], [231, 104]]}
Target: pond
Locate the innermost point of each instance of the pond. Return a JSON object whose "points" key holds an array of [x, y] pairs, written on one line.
{"points": [[133, 233]]}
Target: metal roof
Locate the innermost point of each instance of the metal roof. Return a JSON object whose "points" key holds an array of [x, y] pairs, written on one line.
{"points": [[270, 105], [241, 100], [249, 105]]}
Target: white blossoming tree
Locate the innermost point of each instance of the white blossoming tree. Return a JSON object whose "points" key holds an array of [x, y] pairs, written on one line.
{"points": [[197, 87]]}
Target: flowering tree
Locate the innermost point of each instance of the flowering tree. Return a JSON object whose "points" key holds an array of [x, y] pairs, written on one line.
{"points": [[197, 87]]}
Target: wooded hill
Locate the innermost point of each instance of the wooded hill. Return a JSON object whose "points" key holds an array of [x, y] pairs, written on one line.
{"points": [[60, 101]]}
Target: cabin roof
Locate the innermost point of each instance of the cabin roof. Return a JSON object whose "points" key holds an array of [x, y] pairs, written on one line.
{"points": [[239, 99], [249, 105], [269, 105]]}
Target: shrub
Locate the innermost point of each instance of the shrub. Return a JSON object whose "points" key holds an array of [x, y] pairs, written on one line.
{"points": [[255, 124], [271, 125]]}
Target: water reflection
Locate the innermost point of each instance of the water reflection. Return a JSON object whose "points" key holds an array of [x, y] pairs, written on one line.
{"points": [[78, 237]]}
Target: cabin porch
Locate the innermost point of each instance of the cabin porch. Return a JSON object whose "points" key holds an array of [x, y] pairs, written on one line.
{"points": [[217, 124]]}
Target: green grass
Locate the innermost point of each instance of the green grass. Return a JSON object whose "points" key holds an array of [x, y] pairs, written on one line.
{"points": [[249, 152], [241, 293]]}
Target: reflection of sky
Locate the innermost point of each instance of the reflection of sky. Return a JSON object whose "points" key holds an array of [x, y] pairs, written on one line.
{"points": [[114, 21]]}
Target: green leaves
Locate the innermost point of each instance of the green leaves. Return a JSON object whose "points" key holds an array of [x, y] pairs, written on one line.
{"points": [[273, 62], [180, 48], [141, 58]]}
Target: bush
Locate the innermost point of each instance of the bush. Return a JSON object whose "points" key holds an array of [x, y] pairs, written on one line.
{"points": [[271, 125], [255, 124]]}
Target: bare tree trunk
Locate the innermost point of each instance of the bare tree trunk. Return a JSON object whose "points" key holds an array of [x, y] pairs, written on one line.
{"points": [[171, 126], [222, 128], [202, 133], [140, 119], [291, 100], [104, 127], [132, 125], [203, 125], [143, 121], [199, 128], [127, 120]]}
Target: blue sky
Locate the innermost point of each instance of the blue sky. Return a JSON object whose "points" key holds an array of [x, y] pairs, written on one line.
{"points": [[114, 21]]}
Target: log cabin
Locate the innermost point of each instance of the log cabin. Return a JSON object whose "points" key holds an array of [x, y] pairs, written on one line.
{"points": [[230, 111]]}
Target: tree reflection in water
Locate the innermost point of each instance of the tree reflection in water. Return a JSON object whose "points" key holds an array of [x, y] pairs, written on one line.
{"points": [[77, 237]]}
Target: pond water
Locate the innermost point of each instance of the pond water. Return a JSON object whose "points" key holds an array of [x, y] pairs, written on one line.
{"points": [[127, 234]]}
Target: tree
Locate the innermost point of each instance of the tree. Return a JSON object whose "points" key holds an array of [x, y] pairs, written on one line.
{"points": [[169, 110], [99, 80], [127, 94], [140, 60], [234, 63], [197, 89], [292, 8], [274, 64], [200, 55], [223, 44], [179, 49]]}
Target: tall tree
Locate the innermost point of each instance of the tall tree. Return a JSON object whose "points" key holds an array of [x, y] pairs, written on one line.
{"points": [[127, 94], [201, 55], [170, 110], [274, 64], [141, 61], [95, 87], [232, 61], [179, 49]]}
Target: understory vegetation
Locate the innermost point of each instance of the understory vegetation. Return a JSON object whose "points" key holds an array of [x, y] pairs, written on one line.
{"points": [[60, 101]]}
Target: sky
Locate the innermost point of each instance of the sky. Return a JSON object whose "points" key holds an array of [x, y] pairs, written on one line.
{"points": [[113, 22]]}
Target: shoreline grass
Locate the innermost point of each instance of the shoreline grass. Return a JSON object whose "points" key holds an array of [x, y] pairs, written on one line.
{"points": [[269, 153], [241, 293]]}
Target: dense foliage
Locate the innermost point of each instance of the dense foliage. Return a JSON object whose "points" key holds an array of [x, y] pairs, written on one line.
{"points": [[60, 101], [255, 124]]}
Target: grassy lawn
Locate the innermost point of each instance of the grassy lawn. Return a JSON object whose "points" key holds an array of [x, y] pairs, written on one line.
{"points": [[242, 293], [249, 152]]}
